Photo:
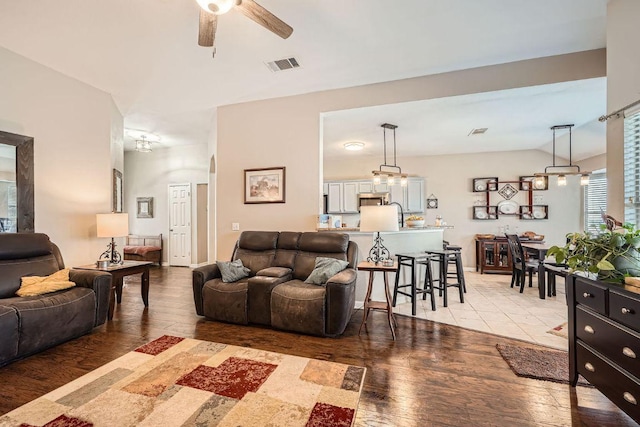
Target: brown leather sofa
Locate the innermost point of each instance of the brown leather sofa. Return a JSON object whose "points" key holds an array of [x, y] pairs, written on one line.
{"points": [[275, 293], [31, 324]]}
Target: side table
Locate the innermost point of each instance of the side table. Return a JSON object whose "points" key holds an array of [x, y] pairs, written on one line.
{"points": [[118, 271], [378, 305]]}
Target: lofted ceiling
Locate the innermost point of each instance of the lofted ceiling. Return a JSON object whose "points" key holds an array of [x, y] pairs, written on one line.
{"points": [[516, 119], [145, 53]]}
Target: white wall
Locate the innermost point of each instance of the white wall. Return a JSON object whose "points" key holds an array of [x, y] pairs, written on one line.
{"points": [[71, 123], [449, 178], [623, 88], [287, 132], [149, 175]]}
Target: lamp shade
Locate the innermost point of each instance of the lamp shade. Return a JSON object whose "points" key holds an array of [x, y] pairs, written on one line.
{"points": [[378, 218], [112, 224]]}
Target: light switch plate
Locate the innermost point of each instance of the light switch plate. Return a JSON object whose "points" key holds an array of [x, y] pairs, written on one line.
{"points": [[235, 226]]}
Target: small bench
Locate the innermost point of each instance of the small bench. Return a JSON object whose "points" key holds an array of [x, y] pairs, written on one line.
{"points": [[143, 248]]}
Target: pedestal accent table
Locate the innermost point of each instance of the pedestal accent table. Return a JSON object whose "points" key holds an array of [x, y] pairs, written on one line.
{"points": [[378, 305]]}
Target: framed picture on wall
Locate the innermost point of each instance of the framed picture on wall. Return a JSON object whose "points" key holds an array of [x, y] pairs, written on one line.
{"points": [[117, 190], [144, 207], [264, 185]]}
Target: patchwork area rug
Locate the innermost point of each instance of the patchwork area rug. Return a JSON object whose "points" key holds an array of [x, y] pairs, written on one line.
{"points": [[176, 381], [560, 330], [538, 363]]}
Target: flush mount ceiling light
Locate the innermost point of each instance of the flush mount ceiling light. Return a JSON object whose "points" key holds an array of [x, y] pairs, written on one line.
{"points": [[561, 171], [391, 176], [354, 146], [143, 139]]}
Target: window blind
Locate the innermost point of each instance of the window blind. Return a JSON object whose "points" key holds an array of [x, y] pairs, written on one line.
{"points": [[595, 202], [632, 168]]}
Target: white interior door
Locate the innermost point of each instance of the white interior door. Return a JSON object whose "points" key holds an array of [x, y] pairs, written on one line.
{"points": [[180, 224]]}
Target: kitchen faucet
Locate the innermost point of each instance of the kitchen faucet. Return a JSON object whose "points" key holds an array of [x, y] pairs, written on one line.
{"points": [[401, 212]]}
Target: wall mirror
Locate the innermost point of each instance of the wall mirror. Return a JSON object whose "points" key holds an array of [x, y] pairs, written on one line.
{"points": [[16, 183]]}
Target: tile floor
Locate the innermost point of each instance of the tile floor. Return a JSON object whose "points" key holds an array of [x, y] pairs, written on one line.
{"points": [[490, 305]]}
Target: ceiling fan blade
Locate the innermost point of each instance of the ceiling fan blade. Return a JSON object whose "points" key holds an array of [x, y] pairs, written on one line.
{"points": [[207, 29], [262, 16]]}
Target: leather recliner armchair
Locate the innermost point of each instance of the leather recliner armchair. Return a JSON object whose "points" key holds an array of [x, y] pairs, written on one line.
{"points": [[32, 324]]}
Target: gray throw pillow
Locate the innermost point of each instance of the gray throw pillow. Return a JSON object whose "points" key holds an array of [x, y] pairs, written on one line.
{"points": [[325, 269], [232, 271]]}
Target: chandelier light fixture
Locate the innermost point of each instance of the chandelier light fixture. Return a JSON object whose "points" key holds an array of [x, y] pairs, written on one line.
{"points": [[561, 171], [143, 145], [142, 139], [389, 175]]}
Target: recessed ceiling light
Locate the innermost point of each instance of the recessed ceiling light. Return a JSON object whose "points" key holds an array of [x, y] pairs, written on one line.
{"points": [[477, 131], [354, 146]]}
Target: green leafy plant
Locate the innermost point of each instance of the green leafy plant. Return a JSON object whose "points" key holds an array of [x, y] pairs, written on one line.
{"points": [[611, 255]]}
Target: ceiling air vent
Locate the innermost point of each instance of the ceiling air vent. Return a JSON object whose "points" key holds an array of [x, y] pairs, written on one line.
{"points": [[477, 131], [283, 64]]}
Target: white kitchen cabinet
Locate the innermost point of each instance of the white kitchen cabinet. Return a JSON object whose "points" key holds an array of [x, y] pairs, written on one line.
{"points": [[414, 196], [342, 197], [350, 197], [396, 194], [365, 187], [383, 187], [411, 197]]}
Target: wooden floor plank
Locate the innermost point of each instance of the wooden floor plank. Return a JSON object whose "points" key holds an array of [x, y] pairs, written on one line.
{"points": [[433, 375]]}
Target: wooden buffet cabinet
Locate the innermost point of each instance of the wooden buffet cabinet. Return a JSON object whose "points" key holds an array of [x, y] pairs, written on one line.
{"points": [[604, 340], [493, 256]]}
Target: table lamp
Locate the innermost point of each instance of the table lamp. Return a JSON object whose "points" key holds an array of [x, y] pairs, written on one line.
{"points": [[112, 225], [378, 219]]}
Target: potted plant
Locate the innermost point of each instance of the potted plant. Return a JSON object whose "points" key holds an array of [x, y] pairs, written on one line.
{"points": [[611, 255]]}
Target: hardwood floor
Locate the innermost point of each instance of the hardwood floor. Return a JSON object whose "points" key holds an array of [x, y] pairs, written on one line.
{"points": [[433, 375]]}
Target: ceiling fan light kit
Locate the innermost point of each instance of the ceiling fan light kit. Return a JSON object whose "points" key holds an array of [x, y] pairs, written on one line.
{"points": [[217, 7], [211, 9], [562, 170], [390, 176]]}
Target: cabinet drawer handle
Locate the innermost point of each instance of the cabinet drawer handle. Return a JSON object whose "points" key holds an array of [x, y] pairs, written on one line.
{"points": [[587, 295], [589, 329], [629, 398], [589, 367], [628, 352], [626, 310]]}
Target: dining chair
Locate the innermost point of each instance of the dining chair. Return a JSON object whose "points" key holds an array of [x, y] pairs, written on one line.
{"points": [[521, 265]]}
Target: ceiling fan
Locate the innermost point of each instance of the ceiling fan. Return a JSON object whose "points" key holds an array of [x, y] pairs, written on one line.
{"points": [[249, 8]]}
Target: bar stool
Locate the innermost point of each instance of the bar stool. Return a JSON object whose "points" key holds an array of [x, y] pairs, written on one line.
{"points": [[442, 258], [412, 260], [455, 260]]}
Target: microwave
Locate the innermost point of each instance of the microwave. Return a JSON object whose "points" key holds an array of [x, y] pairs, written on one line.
{"points": [[372, 199]]}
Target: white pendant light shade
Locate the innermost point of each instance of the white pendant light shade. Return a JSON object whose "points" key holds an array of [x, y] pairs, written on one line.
{"points": [[562, 180], [584, 180]]}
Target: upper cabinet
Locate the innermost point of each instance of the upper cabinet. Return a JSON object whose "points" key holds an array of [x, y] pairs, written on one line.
{"points": [[343, 195]]}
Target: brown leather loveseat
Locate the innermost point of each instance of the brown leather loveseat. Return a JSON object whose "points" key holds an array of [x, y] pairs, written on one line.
{"points": [[275, 293], [34, 323]]}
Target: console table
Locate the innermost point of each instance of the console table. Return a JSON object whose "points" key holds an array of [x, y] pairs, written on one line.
{"points": [[118, 271], [604, 339]]}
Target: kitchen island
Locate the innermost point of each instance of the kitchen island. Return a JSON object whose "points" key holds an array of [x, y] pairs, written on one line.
{"points": [[407, 239]]}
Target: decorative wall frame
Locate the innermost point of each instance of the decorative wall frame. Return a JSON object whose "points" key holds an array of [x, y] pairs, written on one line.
{"points": [[117, 191], [432, 202], [266, 185], [144, 207]]}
